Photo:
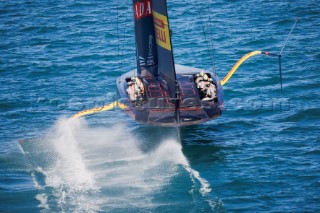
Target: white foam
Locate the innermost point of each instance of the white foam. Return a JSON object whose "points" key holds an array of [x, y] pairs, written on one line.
{"points": [[43, 199], [172, 150], [66, 173], [94, 169], [205, 186], [69, 168]]}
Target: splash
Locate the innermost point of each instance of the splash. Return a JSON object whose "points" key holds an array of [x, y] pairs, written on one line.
{"points": [[59, 169], [78, 168], [171, 150]]}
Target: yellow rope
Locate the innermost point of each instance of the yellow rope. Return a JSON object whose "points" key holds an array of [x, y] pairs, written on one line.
{"points": [[123, 106], [95, 110], [236, 66]]}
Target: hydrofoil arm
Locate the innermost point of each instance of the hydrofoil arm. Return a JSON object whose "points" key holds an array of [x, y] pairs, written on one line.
{"points": [[245, 57]]}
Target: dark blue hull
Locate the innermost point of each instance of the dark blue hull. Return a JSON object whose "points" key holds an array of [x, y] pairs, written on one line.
{"points": [[157, 108]]}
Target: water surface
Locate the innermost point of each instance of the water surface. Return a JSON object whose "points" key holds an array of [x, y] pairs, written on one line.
{"points": [[59, 57]]}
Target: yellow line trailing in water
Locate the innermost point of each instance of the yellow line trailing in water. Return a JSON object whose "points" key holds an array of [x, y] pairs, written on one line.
{"points": [[95, 110], [122, 105], [236, 66]]}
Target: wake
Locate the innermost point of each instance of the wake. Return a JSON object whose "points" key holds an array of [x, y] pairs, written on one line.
{"points": [[78, 168]]}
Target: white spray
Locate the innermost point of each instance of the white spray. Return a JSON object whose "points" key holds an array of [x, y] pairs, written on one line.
{"points": [[98, 169]]}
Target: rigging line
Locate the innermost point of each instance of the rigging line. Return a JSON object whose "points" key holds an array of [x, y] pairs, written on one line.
{"points": [[120, 38], [131, 39], [135, 58], [117, 9], [204, 32], [203, 28], [124, 38], [211, 39], [285, 43]]}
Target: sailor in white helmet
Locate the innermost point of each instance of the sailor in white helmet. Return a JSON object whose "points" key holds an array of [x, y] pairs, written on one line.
{"points": [[139, 85], [136, 90], [131, 91], [199, 76], [211, 92], [202, 83]]}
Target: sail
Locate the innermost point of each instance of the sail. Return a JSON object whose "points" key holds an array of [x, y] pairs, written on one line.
{"points": [[166, 68], [147, 59]]}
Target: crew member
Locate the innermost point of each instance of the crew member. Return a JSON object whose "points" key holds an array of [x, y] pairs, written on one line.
{"points": [[211, 91], [199, 77], [201, 82], [138, 85], [135, 90], [131, 91]]}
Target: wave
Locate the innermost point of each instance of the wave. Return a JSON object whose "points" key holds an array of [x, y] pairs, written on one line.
{"points": [[78, 168]]}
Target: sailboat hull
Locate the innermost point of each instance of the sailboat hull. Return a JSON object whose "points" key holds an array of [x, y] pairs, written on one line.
{"points": [[157, 108]]}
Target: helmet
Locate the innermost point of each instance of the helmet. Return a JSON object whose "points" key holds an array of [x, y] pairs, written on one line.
{"points": [[205, 77], [135, 79], [210, 80], [138, 81], [201, 74]]}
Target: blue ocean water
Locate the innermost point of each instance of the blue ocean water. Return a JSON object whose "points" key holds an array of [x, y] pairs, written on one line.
{"points": [[60, 57]]}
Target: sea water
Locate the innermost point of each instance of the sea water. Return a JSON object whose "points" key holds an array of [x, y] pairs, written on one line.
{"points": [[61, 57]]}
